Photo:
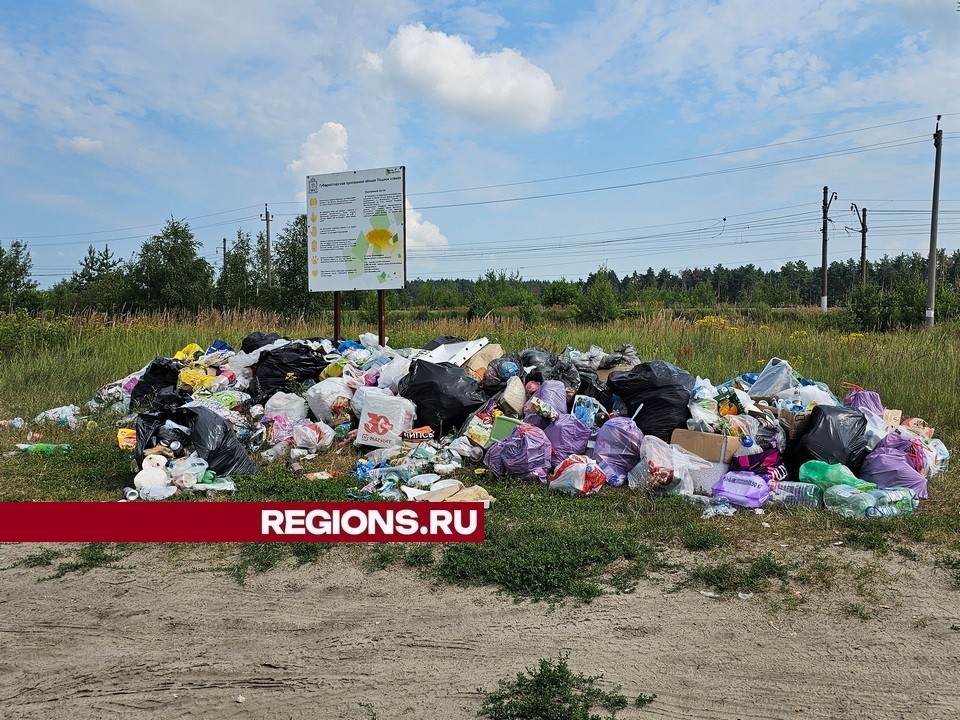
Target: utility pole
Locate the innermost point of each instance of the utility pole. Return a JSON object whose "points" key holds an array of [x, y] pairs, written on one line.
{"points": [[223, 267], [267, 217], [932, 260], [827, 200], [863, 242]]}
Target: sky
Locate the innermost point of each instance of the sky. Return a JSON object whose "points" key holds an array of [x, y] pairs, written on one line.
{"points": [[539, 138]]}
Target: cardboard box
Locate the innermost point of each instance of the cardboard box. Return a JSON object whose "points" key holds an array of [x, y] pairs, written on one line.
{"points": [[892, 417], [479, 361], [710, 446], [604, 374], [794, 424]]}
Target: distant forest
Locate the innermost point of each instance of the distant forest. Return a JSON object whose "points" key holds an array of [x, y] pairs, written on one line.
{"points": [[168, 273]]}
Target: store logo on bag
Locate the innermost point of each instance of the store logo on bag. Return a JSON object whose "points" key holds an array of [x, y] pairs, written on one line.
{"points": [[378, 424]]}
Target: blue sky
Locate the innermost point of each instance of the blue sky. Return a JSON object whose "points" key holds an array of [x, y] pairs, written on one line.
{"points": [[545, 138]]}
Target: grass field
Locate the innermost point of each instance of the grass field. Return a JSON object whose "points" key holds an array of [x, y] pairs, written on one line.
{"points": [[539, 544]]}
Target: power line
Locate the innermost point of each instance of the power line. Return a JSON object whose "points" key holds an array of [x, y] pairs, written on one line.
{"points": [[670, 162], [903, 142]]}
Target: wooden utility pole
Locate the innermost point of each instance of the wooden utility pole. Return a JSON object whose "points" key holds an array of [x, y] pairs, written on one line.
{"points": [[932, 260]]}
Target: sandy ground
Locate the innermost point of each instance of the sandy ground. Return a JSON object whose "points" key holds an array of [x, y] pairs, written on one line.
{"points": [[168, 639]]}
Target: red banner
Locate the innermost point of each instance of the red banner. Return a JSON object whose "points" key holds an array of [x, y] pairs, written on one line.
{"points": [[240, 522]]}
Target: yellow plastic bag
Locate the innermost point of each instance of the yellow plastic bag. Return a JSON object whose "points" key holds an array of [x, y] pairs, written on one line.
{"points": [[190, 352], [196, 377]]}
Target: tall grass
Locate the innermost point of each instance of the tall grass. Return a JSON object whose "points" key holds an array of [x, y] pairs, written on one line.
{"points": [[53, 361]]}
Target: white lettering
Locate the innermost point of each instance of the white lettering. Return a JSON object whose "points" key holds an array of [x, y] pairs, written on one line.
{"points": [[318, 522], [271, 521], [405, 522], [464, 529], [382, 522], [349, 527], [440, 519], [296, 522]]}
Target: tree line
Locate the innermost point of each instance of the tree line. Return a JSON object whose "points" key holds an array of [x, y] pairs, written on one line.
{"points": [[168, 273]]}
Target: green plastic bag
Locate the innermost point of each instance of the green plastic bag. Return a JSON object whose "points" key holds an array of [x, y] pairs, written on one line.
{"points": [[825, 475]]}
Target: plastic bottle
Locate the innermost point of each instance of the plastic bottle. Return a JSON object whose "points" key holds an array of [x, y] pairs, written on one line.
{"points": [[943, 455], [278, 451], [747, 447], [796, 493], [849, 502], [45, 448], [892, 502]]}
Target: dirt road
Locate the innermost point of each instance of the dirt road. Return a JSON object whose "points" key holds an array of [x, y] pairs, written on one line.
{"points": [[162, 638]]}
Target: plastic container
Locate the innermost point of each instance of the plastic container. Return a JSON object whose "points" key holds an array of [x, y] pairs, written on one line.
{"points": [[796, 493], [45, 448], [850, 502], [747, 447], [892, 502], [943, 455]]}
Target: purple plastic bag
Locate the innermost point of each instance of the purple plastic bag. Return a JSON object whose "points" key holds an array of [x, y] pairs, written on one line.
{"points": [[867, 402], [568, 436], [553, 392], [525, 453], [913, 449], [744, 489], [617, 449], [889, 467]]}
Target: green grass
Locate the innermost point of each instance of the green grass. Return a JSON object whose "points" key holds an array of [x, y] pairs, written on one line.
{"points": [[90, 556], [750, 576], [539, 544], [552, 691]]}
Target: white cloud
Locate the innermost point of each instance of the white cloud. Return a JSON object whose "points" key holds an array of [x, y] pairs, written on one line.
{"points": [[501, 88], [80, 144], [478, 22], [422, 234], [324, 151]]}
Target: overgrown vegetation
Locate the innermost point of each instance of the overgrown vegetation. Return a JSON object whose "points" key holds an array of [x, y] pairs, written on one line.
{"points": [[539, 544], [553, 691]]}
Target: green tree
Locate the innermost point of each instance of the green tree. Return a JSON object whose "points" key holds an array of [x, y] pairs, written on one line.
{"points": [[560, 292], [599, 302], [168, 272], [238, 281], [15, 282]]}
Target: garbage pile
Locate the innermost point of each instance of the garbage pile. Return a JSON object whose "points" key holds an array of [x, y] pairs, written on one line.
{"points": [[574, 421]]}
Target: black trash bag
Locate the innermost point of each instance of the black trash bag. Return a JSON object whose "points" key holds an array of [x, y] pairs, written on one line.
{"points": [[257, 340], [169, 399], [499, 372], [834, 435], [591, 386], [444, 394], [662, 389], [285, 369], [535, 360], [443, 340], [161, 374], [565, 371], [211, 437], [626, 355]]}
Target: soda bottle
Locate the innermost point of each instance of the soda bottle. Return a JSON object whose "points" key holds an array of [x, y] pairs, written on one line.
{"points": [[44, 448], [892, 502], [796, 493], [849, 502]]}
